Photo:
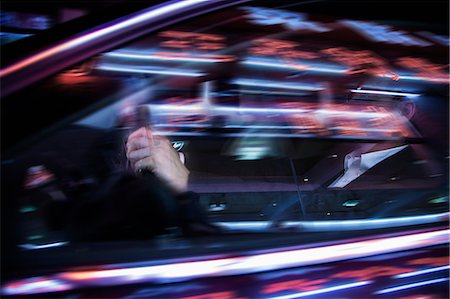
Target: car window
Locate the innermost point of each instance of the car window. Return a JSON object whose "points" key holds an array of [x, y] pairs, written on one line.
{"points": [[286, 121]]}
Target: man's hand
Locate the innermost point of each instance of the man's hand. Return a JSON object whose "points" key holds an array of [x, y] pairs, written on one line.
{"points": [[156, 153]]}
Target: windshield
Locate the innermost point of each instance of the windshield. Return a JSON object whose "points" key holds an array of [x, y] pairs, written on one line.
{"points": [[284, 121]]}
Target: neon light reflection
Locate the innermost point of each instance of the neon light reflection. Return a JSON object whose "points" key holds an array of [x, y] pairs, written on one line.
{"points": [[324, 290], [244, 264], [425, 271], [412, 285]]}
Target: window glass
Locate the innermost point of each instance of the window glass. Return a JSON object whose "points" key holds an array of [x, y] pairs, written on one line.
{"points": [[282, 118]]}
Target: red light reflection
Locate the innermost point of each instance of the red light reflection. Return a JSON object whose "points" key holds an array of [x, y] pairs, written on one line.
{"points": [[424, 67], [430, 261], [192, 40], [301, 285], [360, 62], [281, 48], [372, 272]]}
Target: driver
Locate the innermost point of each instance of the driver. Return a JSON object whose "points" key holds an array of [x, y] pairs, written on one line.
{"points": [[149, 154]]}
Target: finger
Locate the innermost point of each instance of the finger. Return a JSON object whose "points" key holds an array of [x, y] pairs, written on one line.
{"points": [[139, 154], [137, 143], [137, 133], [159, 140], [141, 132], [149, 134], [146, 163]]}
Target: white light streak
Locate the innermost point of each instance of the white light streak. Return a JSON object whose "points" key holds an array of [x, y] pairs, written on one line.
{"points": [[181, 125], [266, 110], [368, 223], [201, 106], [388, 93], [352, 113], [341, 224], [365, 129], [167, 72], [172, 107], [266, 127], [264, 92], [37, 285], [275, 84], [324, 290], [425, 271], [42, 246], [160, 57], [421, 78], [412, 285], [293, 66], [259, 110]]}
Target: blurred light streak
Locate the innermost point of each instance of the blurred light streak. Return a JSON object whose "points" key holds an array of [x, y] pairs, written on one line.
{"points": [[324, 290], [301, 67], [353, 113], [232, 126], [85, 38], [425, 271], [36, 285], [170, 107], [265, 127], [181, 125], [42, 246], [162, 71], [292, 66], [266, 110], [420, 78], [388, 93], [13, 36], [264, 92], [364, 129], [280, 258], [240, 134], [175, 108], [206, 90], [369, 223], [161, 57], [443, 40], [276, 84], [341, 224], [412, 285], [258, 110], [386, 34]]}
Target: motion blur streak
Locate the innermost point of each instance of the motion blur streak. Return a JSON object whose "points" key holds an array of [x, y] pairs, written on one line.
{"points": [[299, 67], [169, 271], [340, 224], [163, 71], [412, 285], [276, 84], [388, 93], [370, 223], [167, 57], [36, 285], [153, 13], [425, 271], [324, 290], [198, 106], [43, 246], [429, 79]]}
